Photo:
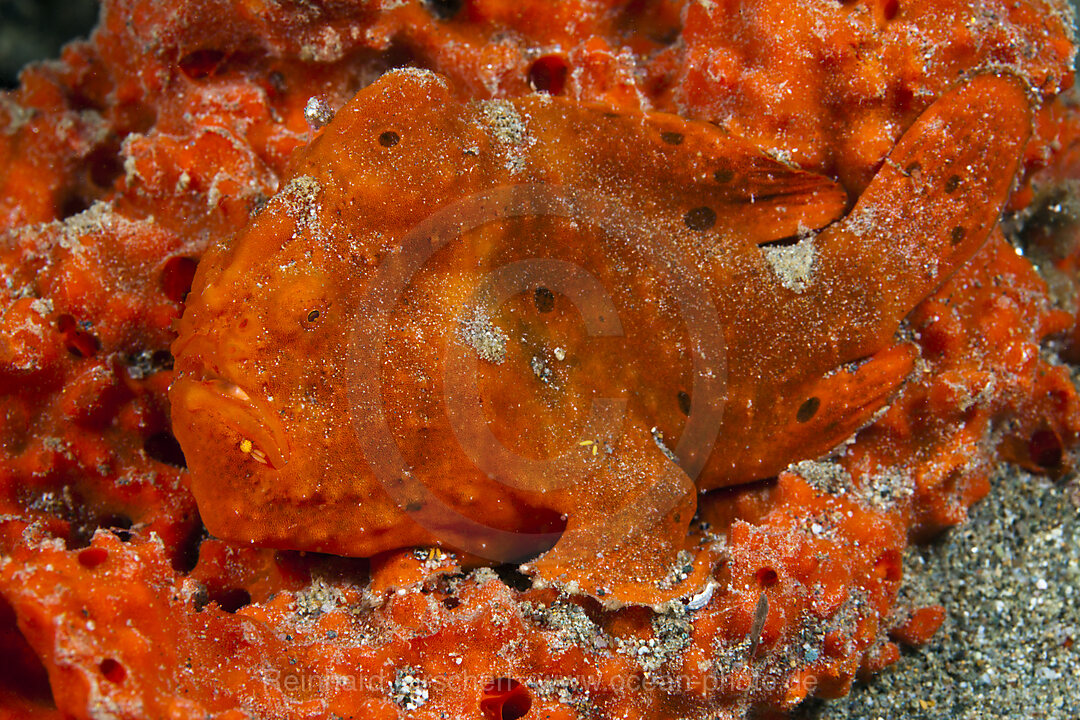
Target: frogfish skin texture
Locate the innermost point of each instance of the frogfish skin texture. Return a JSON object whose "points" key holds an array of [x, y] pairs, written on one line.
{"points": [[539, 327]]}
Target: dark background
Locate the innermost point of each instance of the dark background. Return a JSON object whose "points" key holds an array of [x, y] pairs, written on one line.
{"points": [[35, 30]]}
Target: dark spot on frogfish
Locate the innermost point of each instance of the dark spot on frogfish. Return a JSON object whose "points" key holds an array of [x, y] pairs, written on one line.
{"points": [[808, 409], [684, 402], [544, 299], [700, 218]]}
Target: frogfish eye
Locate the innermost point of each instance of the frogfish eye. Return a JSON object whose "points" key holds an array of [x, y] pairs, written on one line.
{"points": [[297, 302]]}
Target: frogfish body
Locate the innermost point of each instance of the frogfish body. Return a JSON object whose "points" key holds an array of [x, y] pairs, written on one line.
{"points": [[536, 328]]}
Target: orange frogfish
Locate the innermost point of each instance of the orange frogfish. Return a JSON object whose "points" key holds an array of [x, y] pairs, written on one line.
{"points": [[535, 328]]}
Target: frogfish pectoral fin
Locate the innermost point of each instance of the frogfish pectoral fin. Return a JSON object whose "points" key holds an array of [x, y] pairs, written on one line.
{"points": [[838, 405], [623, 547], [930, 207]]}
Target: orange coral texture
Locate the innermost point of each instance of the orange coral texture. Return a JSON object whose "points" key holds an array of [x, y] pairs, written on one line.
{"points": [[121, 163]]}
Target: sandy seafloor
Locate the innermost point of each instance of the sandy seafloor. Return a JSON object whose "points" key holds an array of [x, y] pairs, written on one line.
{"points": [[1009, 578]]}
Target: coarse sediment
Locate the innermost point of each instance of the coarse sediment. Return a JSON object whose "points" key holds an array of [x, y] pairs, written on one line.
{"points": [[1011, 591]]}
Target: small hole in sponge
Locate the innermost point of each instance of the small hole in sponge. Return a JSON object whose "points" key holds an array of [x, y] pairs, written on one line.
{"points": [[185, 553], [889, 566], [505, 699], [766, 577], [113, 671], [547, 74], [72, 204], [93, 556], [77, 341], [176, 277], [162, 359], [1045, 449], [513, 578], [444, 9], [105, 164], [232, 599], [389, 139], [83, 529], [164, 448], [201, 63]]}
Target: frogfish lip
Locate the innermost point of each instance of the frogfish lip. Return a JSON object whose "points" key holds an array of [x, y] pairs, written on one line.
{"points": [[228, 403]]}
